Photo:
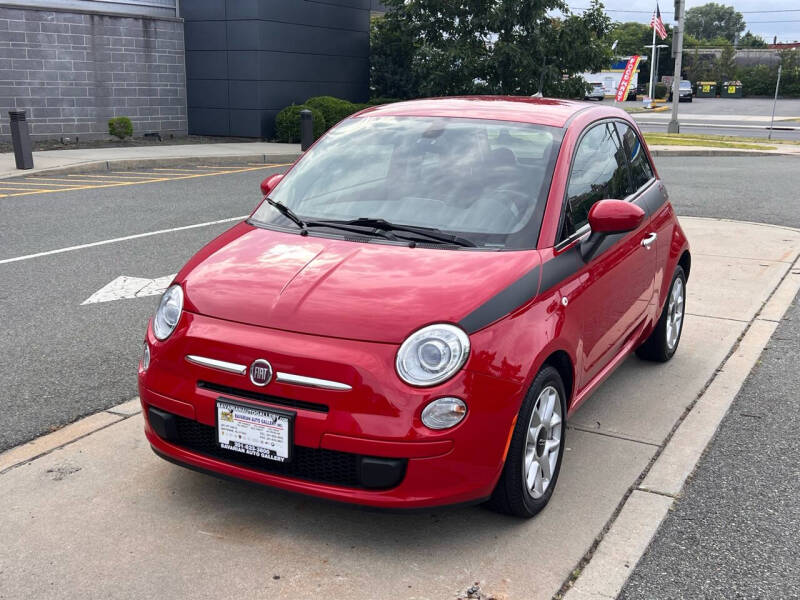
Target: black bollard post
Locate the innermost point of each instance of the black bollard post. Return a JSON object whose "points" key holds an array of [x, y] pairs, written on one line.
{"points": [[21, 139], [306, 129]]}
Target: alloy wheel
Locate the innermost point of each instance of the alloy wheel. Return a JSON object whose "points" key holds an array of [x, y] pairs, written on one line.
{"points": [[543, 442], [675, 313]]}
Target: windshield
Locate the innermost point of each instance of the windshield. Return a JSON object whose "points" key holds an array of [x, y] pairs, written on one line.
{"points": [[685, 85], [482, 180]]}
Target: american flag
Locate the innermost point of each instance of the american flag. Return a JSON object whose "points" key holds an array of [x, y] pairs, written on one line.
{"points": [[657, 24]]}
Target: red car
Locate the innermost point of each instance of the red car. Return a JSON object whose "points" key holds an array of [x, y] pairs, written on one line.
{"points": [[416, 308]]}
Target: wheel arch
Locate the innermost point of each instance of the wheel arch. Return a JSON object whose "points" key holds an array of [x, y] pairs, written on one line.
{"points": [[685, 261], [561, 362]]}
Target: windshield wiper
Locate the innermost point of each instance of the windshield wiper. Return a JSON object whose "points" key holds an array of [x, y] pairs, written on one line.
{"points": [[431, 233], [287, 212]]}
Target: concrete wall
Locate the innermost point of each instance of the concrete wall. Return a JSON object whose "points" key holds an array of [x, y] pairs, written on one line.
{"points": [[72, 71], [248, 59], [745, 57]]}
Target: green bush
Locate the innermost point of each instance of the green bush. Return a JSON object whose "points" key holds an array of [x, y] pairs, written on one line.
{"points": [[333, 109], [120, 127], [287, 123], [660, 90]]}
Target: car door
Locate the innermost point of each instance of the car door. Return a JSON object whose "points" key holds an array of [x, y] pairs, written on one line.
{"points": [[615, 285], [651, 195]]}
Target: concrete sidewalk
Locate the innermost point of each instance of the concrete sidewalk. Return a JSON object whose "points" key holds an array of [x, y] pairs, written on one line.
{"points": [[89, 511], [101, 159]]}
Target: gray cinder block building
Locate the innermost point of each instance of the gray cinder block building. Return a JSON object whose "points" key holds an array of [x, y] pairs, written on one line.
{"points": [[73, 64], [211, 67]]}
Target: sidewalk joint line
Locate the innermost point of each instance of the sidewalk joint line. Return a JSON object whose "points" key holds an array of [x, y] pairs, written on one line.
{"points": [[617, 436], [657, 493]]}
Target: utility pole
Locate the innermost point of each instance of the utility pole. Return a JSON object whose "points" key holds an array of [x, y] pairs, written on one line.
{"points": [[677, 53], [775, 101]]}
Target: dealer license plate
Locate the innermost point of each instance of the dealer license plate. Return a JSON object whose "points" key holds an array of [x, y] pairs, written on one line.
{"points": [[254, 431]]}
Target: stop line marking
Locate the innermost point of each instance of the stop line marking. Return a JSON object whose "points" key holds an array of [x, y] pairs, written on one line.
{"points": [[119, 239]]}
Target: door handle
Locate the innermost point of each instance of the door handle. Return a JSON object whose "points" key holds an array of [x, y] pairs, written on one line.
{"points": [[648, 241]]}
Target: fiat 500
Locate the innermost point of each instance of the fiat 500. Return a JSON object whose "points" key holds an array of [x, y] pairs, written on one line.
{"points": [[418, 305]]}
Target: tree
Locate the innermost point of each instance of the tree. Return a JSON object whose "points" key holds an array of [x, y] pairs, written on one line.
{"points": [[751, 40], [724, 65], [712, 20], [631, 37], [635, 38], [390, 59], [439, 47]]}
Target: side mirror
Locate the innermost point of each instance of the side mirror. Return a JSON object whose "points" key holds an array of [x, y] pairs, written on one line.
{"points": [[608, 217], [270, 182]]}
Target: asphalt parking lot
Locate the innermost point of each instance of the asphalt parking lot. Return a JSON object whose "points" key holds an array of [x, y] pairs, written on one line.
{"points": [[132, 513], [91, 350], [747, 117], [110, 497]]}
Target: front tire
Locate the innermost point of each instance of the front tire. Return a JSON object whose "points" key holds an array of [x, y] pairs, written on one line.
{"points": [[663, 341], [534, 456]]}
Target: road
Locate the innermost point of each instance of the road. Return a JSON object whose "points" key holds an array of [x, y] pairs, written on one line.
{"points": [[64, 360], [734, 533], [748, 117]]}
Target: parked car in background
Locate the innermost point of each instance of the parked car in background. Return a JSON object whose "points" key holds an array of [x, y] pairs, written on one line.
{"points": [[419, 304], [597, 92], [684, 91]]}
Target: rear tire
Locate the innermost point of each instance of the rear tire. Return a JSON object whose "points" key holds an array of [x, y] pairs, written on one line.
{"points": [[664, 340], [537, 446]]}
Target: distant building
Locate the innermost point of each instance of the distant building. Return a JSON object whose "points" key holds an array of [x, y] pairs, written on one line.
{"points": [[212, 67], [611, 77]]}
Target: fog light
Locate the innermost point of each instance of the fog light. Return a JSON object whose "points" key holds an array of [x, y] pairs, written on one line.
{"points": [[145, 357], [443, 413]]}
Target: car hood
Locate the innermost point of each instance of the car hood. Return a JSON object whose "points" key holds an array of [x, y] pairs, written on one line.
{"points": [[338, 288]]}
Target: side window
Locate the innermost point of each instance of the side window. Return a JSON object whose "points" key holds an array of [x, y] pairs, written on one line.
{"points": [[599, 171], [641, 171]]}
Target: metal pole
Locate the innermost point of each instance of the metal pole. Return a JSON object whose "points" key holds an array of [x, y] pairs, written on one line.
{"points": [[674, 126], [652, 62], [306, 129], [775, 101], [21, 139]]}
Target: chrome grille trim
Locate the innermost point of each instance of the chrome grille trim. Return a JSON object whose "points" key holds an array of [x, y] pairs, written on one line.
{"points": [[237, 369], [324, 384], [220, 365]]}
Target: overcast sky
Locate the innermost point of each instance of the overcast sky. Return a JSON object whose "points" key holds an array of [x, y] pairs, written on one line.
{"points": [[786, 25]]}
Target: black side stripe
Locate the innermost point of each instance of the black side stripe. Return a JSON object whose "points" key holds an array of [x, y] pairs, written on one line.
{"points": [[553, 272], [558, 268], [504, 302]]}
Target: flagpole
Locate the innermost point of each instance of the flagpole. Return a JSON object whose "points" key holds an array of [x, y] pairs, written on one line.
{"points": [[652, 58]]}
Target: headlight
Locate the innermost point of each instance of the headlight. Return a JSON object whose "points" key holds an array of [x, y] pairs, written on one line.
{"points": [[168, 313], [432, 355]]}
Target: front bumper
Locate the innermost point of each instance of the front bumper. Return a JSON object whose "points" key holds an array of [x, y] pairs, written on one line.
{"points": [[340, 435]]}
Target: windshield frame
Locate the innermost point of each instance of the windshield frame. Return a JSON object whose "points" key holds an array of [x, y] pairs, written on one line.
{"points": [[526, 238]]}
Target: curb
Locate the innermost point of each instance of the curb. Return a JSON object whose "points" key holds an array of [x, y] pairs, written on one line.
{"points": [[662, 151], [175, 161], [45, 444], [608, 565]]}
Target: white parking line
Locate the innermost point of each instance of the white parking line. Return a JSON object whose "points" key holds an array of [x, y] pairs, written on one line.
{"points": [[119, 239]]}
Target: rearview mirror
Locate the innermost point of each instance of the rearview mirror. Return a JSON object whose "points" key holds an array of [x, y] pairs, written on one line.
{"points": [[269, 183], [608, 217]]}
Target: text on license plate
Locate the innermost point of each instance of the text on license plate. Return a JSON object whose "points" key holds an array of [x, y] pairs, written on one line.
{"points": [[254, 431]]}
